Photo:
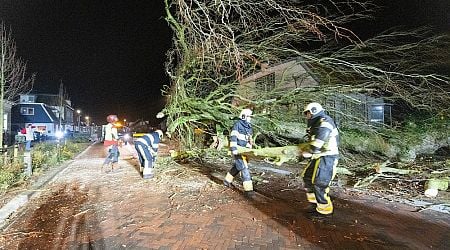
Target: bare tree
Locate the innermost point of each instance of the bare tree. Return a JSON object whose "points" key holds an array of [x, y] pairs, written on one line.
{"points": [[218, 43], [13, 75]]}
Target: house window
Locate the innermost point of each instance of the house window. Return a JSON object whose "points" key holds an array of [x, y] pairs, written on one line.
{"points": [[41, 128], [266, 83], [27, 111], [377, 114], [380, 114]]}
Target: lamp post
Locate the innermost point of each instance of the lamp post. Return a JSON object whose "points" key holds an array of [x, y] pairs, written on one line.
{"points": [[79, 114], [87, 124]]}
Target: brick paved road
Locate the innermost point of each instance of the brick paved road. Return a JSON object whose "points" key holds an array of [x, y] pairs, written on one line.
{"points": [[186, 208]]}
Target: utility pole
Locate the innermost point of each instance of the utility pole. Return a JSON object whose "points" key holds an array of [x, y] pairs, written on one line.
{"points": [[79, 115], [61, 107]]}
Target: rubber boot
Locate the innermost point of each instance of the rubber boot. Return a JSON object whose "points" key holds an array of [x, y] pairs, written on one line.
{"points": [[248, 189], [147, 173], [228, 180], [114, 166], [310, 208], [249, 194]]}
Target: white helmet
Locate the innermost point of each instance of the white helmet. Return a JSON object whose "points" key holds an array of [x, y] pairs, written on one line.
{"points": [[245, 113], [160, 115], [314, 108], [160, 133]]}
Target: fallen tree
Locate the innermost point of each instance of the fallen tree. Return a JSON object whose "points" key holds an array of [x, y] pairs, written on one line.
{"points": [[273, 155]]}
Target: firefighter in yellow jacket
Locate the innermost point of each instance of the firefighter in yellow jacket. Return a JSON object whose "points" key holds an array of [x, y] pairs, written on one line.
{"points": [[324, 154]]}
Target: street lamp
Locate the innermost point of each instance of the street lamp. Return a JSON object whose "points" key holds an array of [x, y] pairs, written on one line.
{"points": [[79, 115], [87, 124]]}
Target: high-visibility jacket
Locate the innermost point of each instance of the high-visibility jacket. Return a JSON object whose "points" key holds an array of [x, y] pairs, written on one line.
{"points": [[323, 135], [151, 141], [241, 135]]}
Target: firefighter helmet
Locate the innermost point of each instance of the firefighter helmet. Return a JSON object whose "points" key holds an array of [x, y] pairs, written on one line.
{"points": [[245, 113], [112, 118], [314, 108], [160, 133]]}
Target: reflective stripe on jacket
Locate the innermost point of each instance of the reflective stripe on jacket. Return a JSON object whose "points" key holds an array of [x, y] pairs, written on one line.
{"points": [[240, 135], [324, 135], [151, 141]]}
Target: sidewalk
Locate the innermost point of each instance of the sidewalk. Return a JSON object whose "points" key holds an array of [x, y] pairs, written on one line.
{"points": [[187, 207]]}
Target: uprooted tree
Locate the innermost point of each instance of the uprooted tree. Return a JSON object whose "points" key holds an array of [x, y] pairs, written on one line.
{"points": [[217, 44], [13, 75]]}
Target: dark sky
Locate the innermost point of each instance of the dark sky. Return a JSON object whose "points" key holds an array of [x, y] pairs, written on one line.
{"points": [[110, 54], [408, 13]]}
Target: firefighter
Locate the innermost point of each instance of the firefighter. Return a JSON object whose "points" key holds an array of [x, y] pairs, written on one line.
{"points": [[323, 140], [147, 150], [110, 142], [241, 135]]}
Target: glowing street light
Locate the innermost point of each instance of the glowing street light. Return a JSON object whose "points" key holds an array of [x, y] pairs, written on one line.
{"points": [[79, 115], [87, 124]]}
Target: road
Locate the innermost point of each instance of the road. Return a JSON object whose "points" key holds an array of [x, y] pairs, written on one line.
{"points": [[186, 207]]}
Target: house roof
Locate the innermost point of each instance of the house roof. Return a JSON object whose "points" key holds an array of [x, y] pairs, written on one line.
{"points": [[52, 100], [41, 113], [297, 65]]}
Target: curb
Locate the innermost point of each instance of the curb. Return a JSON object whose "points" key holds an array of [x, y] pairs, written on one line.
{"points": [[21, 199]]}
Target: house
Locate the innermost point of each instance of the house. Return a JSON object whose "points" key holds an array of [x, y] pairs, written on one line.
{"points": [[61, 108], [40, 115], [287, 75], [295, 74]]}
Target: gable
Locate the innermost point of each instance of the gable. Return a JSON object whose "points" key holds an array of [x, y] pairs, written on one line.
{"points": [[32, 113], [288, 75]]}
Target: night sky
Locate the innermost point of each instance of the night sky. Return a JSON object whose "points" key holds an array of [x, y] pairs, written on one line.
{"points": [[110, 54]]}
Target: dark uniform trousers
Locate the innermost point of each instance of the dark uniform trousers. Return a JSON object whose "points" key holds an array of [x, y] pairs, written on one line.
{"points": [[317, 176]]}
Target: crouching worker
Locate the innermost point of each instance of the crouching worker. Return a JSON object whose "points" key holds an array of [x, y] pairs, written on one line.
{"points": [[147, 150], [324, 154], [241, 135]]}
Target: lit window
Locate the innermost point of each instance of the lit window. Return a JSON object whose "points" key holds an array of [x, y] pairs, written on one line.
{"points": [[377, 114], [27, 111]]}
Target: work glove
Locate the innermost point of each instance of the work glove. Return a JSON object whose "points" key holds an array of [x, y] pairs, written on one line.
{"points": [[306, 155], [316, 156]]}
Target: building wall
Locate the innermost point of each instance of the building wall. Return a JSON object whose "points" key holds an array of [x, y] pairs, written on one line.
{"points": [[292, 75]]}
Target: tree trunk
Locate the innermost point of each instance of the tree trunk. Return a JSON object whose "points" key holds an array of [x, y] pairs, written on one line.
{"points": [[279, 154]]}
